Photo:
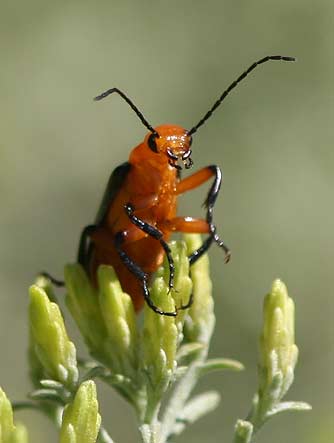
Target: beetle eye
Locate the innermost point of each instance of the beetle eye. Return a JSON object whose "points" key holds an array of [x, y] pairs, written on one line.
{"points": [[151, 142]]}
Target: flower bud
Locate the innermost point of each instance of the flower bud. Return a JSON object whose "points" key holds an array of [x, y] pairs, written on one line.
{"points": [[201, 319], [119, 318], [49, 339], [10, 433], [6, 418], [82, 301], [159, 344], [278, 352], [81, 420], [159, 333], [182, 289], [19, 435], [105, 317], [243, 432]]}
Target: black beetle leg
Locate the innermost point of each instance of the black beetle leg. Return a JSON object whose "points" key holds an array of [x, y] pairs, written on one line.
{"points": [[189, 303], [54, 281], [209, 204], [155, 233], [139, 273]]}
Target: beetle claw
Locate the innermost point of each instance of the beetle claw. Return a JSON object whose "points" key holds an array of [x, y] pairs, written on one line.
{"points": [[187, 305], [228, 255], [129, 208]]}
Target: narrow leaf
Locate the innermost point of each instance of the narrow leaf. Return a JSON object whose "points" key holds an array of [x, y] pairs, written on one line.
{"points": [[219, 364], [289, 406], [188, 349], [104, 437], [51, 384], [46, 394]]}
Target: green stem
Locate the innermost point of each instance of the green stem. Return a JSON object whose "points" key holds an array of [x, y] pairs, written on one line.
{"points": [[18, 405], [153, 403]]}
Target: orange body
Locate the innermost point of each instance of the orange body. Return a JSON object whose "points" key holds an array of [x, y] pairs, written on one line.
{"points": [[151, 186]]}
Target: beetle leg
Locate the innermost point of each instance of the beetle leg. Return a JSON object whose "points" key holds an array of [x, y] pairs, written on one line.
{"points": [[54, 281], [138, 273], [194, 181], [155, 233], [191, 225], [190, 302], [187, 224]]}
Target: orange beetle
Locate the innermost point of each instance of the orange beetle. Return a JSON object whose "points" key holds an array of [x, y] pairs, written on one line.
{"points": [[138, 211]]}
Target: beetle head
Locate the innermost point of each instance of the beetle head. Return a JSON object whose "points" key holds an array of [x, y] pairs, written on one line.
{"points": [[172, 141]]}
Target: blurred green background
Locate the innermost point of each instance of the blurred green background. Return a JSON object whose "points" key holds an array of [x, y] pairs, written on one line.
{"points": [[271, 138]]}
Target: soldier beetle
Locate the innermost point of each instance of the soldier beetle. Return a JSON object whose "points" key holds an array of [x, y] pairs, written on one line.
{"points": [[137, 214]]}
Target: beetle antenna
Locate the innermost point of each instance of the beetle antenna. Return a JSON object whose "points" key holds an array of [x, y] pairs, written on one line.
{"points": [[234, 84], [130, 103]]}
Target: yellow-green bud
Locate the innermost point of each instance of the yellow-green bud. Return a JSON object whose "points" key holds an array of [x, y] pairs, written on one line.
{"points": [[36, 369], [278, 352], [159, 344], [81, 420], [9, 433], [46, 284], [6, 418], [201, 319], [50, 341], [160, 332], [243, 432], [82, 301], [278, 358], [105, 317], [182, 282], [119, 317], [19, 435]]}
